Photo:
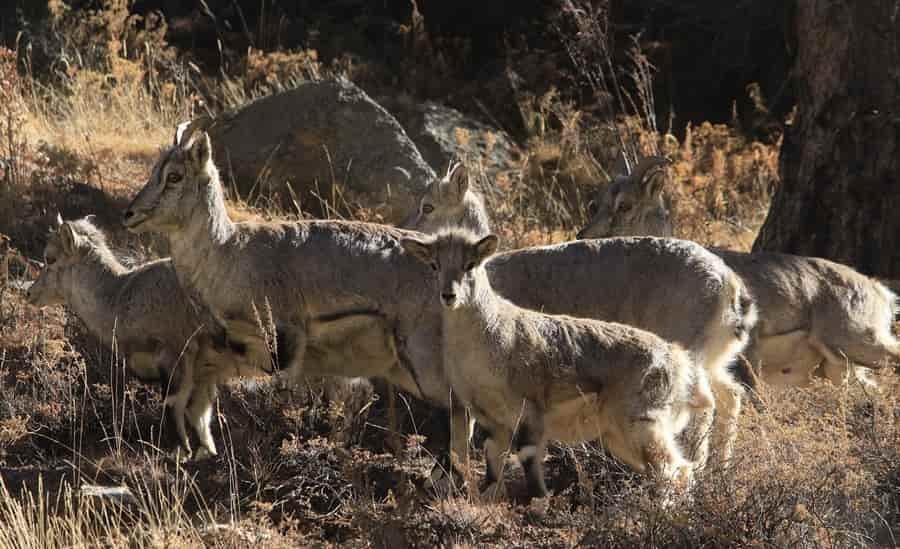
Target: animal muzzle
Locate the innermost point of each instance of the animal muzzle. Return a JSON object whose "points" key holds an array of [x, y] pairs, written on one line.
{"points": [[448, 299], [32, 295], [132, 218]]}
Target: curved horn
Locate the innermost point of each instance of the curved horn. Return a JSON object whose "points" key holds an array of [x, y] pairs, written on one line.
{"points": [[403, 171], [645, 165], [187, 129]]}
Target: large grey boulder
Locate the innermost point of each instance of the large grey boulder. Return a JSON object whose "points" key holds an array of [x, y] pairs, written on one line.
{"points": [[443, 134], [320, 141]]}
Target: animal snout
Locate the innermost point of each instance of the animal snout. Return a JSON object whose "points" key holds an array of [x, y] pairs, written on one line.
{"points": [[131, 219], [31, 295], [449, 298]]}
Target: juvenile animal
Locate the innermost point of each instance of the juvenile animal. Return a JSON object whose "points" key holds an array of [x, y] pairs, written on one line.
{"points": [[353, 282], [528, 376], [143, 310], [813, 313], [450, 201], [673, 288]]}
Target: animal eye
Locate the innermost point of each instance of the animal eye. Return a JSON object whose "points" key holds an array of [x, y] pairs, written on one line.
{"points": [[173, 178], [427, 209], [434, 266], [470, 265]]}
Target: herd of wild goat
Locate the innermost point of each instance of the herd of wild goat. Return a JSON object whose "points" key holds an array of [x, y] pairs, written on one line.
{"points": [[647, 343]]}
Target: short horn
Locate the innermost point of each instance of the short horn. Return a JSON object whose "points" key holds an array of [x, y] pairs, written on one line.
{"points": [[182, 132]]}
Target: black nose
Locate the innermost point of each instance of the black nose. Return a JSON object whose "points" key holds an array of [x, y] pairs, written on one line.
{"points": [[448, 297], [580, 235], [129, 214]]}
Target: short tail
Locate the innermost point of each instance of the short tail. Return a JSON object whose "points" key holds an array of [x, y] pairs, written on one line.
{"points": [[745, 316], [743, 308]]}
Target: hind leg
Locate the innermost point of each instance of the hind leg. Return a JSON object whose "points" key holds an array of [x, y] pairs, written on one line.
{"points": [[838, 368]]}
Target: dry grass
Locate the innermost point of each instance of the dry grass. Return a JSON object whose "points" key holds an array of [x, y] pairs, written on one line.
{"points": [[820, 469]]}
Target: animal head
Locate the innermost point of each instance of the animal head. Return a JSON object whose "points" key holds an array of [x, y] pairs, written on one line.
{"points": [[177, 184], [68, 243], [457, 256], [444, 201], [632, 204]]}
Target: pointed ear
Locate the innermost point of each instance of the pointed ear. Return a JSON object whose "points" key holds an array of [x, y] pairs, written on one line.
{"points": [[418, 249], [486, 247], [458, 182], [199, 149], [68, 238], [59, 220]]}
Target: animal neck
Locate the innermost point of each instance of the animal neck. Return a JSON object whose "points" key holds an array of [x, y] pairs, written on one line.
{"points": [[657, 221], [481, 313], [475, 215], [90, 289], [209, 227]]}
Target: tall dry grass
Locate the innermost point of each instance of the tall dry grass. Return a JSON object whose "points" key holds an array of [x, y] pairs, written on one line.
{"points": [[820, 469]]}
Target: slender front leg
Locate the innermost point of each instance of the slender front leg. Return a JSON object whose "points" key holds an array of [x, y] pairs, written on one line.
{"points": [[495, 452], [451, 449], [200, 415], [461, 427]]}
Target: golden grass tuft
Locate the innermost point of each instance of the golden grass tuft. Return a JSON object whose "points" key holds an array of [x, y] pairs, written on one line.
{"points": [[819, 469]]}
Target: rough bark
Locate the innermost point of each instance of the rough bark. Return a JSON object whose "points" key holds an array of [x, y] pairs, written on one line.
{"points": [[840, 161]]}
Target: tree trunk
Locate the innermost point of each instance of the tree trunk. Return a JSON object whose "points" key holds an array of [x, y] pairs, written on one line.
{"points": [[840, 162]]}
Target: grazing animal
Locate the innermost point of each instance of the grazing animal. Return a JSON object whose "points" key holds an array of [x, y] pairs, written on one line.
{"points": [[450, 201], [347, 280], [529, 376], [815, 315], [143, 311], [325, 285], [675, 289]]}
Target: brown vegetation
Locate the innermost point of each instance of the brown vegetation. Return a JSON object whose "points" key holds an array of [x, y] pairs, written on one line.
{"points": [[818, 469]]}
